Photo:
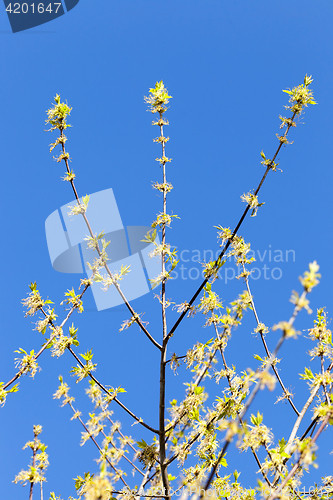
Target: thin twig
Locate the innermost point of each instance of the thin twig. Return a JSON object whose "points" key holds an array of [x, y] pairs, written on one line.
{"points": [[226, 246], [328, 400], [315, 420], [104, 389], [46, 345], [238, 413], [129, 307], [299, 420], [97, 445], [297, 464], [286, 393], [35, 448], [122, 435], [162, 448], [197, 382], [251, 398], [124, 456]]}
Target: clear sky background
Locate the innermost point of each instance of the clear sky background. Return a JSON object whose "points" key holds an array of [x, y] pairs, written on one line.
{"points": [[225, 64]]}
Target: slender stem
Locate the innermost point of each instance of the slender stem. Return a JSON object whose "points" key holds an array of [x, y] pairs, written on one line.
{"points": [[286, 393], [297, 464], [251, 398], [139, 420], [163, 234], [122, 436], [238, 413], [33, 465], [98, 447], [301, 416], [124, 456], [198, 381], [22, 370], [314, 421], [226, 246], [312, 425], [295, 428], [144, 481], [147, 479], [129, 307], [162, 446], [45, 346], [328, 401]]}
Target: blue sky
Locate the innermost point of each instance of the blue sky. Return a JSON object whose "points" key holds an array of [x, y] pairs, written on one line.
{"points": [[225, 64]]}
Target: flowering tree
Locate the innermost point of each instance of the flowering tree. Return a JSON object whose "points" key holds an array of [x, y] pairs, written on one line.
{"points": [[195, 434]]}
